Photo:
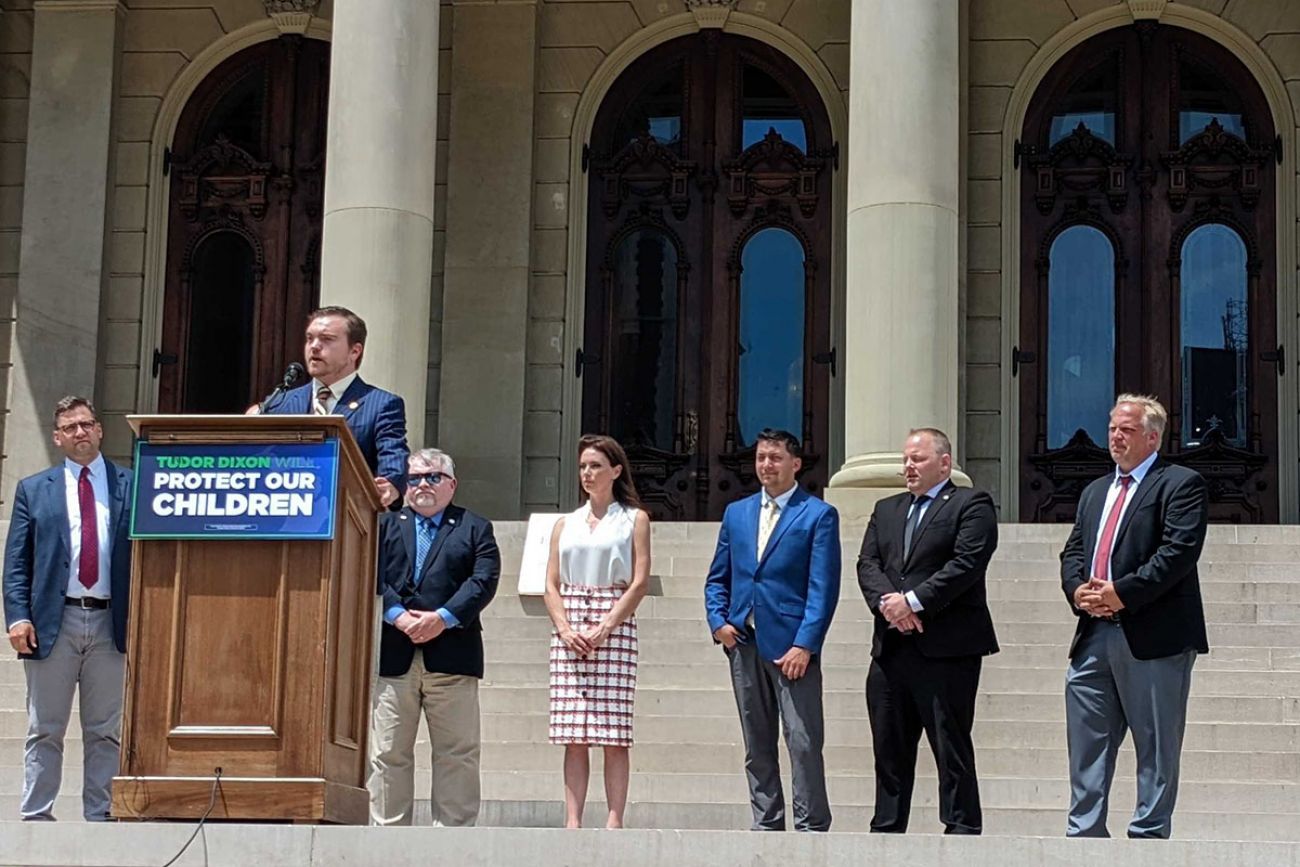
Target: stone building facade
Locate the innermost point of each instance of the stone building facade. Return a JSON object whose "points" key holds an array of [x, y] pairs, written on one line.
{"points": [[935, 175]]}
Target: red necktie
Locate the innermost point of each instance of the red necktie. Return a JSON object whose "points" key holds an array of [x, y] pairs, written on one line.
{"points": [[88, 563], [1101, 565]]}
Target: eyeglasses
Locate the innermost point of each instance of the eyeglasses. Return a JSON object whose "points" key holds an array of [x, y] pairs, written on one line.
{"points": [[434, 479], [71, 428]]}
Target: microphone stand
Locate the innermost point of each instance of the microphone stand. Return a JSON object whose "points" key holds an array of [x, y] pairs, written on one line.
{"points": [[290, 377]]}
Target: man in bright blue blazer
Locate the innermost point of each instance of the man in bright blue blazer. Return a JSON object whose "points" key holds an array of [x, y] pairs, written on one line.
{"points": [[336, 341], [67, 577], [770, 597]]}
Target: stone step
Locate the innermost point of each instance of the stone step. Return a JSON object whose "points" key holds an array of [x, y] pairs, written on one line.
{"points": [[1012, 611], [854, 731], [239, 845], [859, 790], [1238, 635], [697, 675], [1011, 707], [1001, 587], [509, 650], [998, 821]]}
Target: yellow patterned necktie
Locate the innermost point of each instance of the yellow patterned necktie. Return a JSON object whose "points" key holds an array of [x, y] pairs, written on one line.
{"points": [[323, 397]]}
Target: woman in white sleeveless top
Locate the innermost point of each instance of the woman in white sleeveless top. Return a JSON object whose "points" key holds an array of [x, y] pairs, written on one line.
{"points": [[598, 572]]}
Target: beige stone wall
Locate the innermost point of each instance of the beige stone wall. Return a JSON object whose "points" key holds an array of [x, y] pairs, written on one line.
{"points": [[575, 37], [15, 77], [1004, 35]]}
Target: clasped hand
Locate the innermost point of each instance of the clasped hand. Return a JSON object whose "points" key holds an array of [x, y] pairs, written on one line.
{"points": [[894, 608], [585, 643], [1098, 598], [421, 626]]}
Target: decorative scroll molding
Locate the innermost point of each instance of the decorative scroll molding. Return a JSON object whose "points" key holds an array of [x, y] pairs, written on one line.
{"points": [[291, 16], [711, 14], [1215, 162], [1144, 10], [1079, 164]]}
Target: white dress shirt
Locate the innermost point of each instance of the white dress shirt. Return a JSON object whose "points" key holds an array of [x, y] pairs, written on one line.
{"points": [[337, 389], [1112, 493], [781, 500], [102, 588], [933, 493]]}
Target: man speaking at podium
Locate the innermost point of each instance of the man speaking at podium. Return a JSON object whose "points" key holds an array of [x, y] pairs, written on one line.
{"points": [[336, 340]]}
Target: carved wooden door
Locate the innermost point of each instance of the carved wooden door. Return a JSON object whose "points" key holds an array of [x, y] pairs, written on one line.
{"points": [[246, 169], [1147, 244], [708, 286]]}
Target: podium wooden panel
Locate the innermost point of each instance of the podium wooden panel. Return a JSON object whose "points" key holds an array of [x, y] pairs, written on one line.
{"points": [[252, 656]]}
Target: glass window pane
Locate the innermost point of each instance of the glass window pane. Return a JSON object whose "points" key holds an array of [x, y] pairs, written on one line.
{"points": [[1091, 101], [771, 334], [1203, 98], [645, 340], [656, 112], [1080, 335], [1214, 334], [219, 352], [239, 113], [769, 107]]}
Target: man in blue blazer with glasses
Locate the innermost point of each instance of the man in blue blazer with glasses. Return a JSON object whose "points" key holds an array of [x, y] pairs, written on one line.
{"points": [[769, 597]]}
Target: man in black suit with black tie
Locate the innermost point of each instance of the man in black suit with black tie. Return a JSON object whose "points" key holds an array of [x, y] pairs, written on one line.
{"points": [[921, 570], [438, 569], [1129, 573]]}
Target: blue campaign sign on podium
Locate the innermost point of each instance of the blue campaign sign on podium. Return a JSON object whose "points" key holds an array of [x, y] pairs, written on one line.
{"points": [[272, 491]]}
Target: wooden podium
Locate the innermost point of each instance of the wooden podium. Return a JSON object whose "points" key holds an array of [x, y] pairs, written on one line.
{"points": [[252, 656]]}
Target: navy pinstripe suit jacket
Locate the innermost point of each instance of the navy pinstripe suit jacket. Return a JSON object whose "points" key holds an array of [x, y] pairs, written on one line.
{"points": [[377, 419]]}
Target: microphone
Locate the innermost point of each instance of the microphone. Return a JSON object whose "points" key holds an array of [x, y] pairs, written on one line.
{"points": [[292, 374]]}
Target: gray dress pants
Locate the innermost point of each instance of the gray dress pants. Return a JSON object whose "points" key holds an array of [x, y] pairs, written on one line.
{"points": [[83, 657], [767, 701], [1109, 692]]}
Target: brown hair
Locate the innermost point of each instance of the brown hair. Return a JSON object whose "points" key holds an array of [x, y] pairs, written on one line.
{"points": [[624, 488], [356, 325], [71, 402]]}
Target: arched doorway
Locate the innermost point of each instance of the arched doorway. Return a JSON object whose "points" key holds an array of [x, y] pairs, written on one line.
{"points": [[708, 283], [247, 168], [1148, 225]]}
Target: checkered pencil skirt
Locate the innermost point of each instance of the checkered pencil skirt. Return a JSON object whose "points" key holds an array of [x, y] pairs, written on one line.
{"points": [[592, 697]]}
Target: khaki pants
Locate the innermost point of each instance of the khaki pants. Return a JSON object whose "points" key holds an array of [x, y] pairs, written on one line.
{"points": [[450, 705]]}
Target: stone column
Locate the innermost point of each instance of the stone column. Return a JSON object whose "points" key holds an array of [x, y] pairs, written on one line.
{"points": [[900, 356], [377, 244], [489, 227], [67, 200]]}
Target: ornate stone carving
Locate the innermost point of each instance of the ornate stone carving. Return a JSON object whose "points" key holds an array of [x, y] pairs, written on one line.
{"points": [[773, 167], [710, 14], [1215, 162], [1078, 164], [291, 16], [1143, 10]]}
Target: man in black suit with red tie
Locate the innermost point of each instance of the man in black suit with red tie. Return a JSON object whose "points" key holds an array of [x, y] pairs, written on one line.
{"points": [[922, 573], [1129, 573]]}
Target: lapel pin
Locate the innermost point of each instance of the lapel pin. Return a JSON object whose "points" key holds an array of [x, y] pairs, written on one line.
{"points": [[401, 517], [353, 405], [946, 496]]}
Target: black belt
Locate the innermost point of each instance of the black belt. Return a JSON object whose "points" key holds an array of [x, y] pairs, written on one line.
{"points": [[86, 602]]}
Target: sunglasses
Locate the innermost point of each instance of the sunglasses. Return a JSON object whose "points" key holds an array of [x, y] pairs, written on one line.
{"points": [[434, 479]]}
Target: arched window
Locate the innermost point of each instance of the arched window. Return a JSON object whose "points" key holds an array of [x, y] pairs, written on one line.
{"points": [[1215, 333], [1080, 335], [772, 287], [222, 291], [1149, 174], [645, 339]]}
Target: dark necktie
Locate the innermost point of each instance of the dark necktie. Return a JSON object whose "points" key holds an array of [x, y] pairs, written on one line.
{"points": [[425, 531], [88, 561], [1101, 564], [912, 520], [323, 397]]}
